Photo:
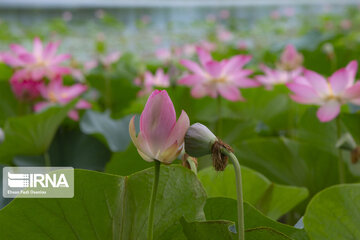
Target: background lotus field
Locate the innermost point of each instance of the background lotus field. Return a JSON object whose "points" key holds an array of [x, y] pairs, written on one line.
{"points": [[69, 87]]}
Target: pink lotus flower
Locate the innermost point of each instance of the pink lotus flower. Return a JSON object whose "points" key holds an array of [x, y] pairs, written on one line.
{"points": [[330, 94], [290, 59], [26, 90], [274, 76], [41, 62], [224, 35], [224, 14], [288, 68], [105, 61], [163, 54], [214, 78], [160, 79], [57, 93], [161, 137]]}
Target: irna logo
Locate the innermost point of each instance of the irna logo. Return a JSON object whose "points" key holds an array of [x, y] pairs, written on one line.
{"points": [[38, 182], [16, 180]]}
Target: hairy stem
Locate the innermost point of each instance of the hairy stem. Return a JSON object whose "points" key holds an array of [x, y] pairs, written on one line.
{"points": [[341, 166], [219, 117], [150, 232], [240, 202]]}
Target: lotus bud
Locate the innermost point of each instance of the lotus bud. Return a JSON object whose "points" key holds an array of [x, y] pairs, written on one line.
{"points": [[200, 141], [2, 135], [346, 142]]}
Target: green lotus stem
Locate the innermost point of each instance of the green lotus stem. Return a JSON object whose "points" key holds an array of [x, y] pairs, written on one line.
{"points": [[150, 232], [192, 165], [47, 159], [240, 202], [341, 166], [219, 117]]}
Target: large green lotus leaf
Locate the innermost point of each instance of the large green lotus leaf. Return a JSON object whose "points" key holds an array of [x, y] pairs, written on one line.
{"points": [[351, 121], [113, 132], [220, 229], [71, 148], [5, 72], [274, 200], [109, 207], [127, 162], [334, 213], [76, 149], [31, 134], [226, 209], [8, 103], [312, 131], [290, 162]]}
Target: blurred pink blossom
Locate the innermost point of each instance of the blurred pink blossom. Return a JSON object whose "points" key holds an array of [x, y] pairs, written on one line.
{"points": [[242, 45], [207, 46], [188, 50], [340, 88], [224, 14], [290, 59], [105, 61], [345, 24], [163, 54], [275, 76], [288, 68], [145, 19], [214, 78], [56, 93], [99, 13], [40, 63], [224, 35], [289, 11], [149, 81], [67, 16], [275, 15], [27, 89]]}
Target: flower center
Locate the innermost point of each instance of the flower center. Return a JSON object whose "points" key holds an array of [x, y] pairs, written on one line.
{"points": [[52, 97]]}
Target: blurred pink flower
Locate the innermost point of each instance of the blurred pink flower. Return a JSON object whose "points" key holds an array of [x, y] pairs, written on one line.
{"points": [[207, 46], [188, 50], [224, 14], [161, 137], [145, 19], [27, 89], [163, 54], [340, 88], [105, 61], [100, 14], [288, 68], [224, 35], [242, 45], [110, 58], [89, 65], [289, 11], [38, 64], [160, 79], [274, 76], [290, 59], [67, 16], [275, 15], [57, 93], [345, 24], [214, 78]]}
